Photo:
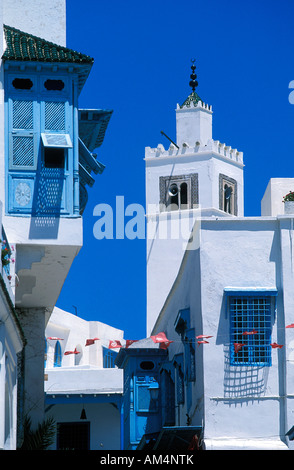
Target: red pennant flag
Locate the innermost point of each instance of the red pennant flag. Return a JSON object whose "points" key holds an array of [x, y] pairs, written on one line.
{"points": [[54, 338], [238, 347], [202, 342], [159, 338], [72, 352], [90, 341], [275, 345], [114, 344], [165, 345], [203, 336], [162, 339], [194, 444], [253, 332], [290, 326], [130, 341]]}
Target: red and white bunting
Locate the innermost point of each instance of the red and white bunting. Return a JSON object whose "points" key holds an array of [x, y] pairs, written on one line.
{"points": [[114, 344], [253, 332], [72, 352], [91, 341], [238, 347]]}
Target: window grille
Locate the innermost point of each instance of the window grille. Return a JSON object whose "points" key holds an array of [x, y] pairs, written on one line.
{"points": [[22, 113], [22, 151], [50, 188], [250, 323], [54, 115], [228, 195], [178, 192]]}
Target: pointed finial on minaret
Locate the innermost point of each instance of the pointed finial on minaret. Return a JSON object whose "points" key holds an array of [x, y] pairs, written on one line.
{"points": [[193, 83]]}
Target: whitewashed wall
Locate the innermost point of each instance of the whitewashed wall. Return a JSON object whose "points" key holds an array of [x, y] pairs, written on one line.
{"points": [[238, 407]]}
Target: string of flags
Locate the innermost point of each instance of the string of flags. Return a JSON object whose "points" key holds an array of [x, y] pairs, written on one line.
{"points": [[164, 342], [162, 339]]}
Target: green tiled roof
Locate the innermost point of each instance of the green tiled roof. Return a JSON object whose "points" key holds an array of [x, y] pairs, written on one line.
{"points": [[192, 98], [24, 46]]}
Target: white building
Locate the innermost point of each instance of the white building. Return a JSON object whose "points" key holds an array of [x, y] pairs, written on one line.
{"points": [[46, 162], [82, 385], [226, 299], [12, 341]]}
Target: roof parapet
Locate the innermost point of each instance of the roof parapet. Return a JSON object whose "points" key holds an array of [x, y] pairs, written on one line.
{"points": [[213, 146]]}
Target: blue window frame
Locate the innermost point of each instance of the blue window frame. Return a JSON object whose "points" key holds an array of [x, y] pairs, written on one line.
{"points": [[250, 328], [108, 358], [57, 355], [182, 327], [39, 139]]}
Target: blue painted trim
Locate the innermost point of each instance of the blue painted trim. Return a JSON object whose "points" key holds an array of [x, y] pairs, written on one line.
{"points": [[122, 426], [56, 399], [251, 291]]}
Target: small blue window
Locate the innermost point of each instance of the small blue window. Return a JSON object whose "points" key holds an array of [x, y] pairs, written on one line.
{"points": [[108, 358], [250, 329], [57, 355]]}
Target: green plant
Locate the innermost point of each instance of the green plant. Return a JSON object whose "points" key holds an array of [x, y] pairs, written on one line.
{"points": [[289, 197], [41, 438]]}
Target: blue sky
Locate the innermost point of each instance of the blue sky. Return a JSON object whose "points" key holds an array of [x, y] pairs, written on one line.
{"points": [[142, 52]]}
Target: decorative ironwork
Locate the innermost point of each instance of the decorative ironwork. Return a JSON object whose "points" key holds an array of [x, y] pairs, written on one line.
{"points": [[193, 83], [193, 98]]}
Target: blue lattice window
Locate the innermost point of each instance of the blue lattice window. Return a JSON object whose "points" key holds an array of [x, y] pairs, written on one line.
{"points": [[39, 137], [250, 329], [55, 115], [22, 139]]}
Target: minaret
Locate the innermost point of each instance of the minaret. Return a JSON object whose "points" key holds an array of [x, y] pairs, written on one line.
{"points": [[195, 177], [194, 120]]}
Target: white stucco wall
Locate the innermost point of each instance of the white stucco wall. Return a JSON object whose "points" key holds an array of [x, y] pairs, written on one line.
{"points": [[104, 423], [194, 124], [164, 254], [197, 153], [81, 381], [75, 331], [272, 201], [239, 407], [38, 17]]}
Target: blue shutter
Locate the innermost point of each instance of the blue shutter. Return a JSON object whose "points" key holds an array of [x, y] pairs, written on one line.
{"points": [[22, 139], [55, 116]]}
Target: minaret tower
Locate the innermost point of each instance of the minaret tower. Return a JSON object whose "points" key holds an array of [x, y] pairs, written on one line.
{"points": [[195, 177]]}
